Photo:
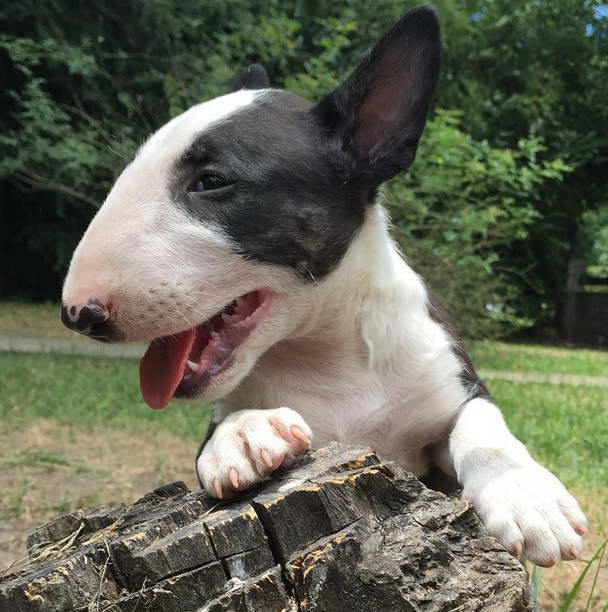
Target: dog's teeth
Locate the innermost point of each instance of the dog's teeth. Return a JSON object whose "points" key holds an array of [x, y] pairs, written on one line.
{"points": [[192, 365]]}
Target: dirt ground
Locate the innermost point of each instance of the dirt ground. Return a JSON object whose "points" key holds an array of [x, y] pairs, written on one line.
{"points": [[558, 580], [48, 469]]}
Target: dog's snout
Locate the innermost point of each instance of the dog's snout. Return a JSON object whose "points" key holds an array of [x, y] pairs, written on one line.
{"points": [[92, 319]]}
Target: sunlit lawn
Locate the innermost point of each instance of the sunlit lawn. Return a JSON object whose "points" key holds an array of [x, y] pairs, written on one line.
{"points": [[564, 425], [27, 319], [535, 358], [75, 432], [88, 392]]}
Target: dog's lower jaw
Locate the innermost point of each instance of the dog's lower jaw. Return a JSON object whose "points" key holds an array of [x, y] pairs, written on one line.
{"points": [[187, 363], [284, 312], [222, 350]]}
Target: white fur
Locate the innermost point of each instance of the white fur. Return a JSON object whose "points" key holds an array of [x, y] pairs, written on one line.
{"points": [[364, 362], [368, 365], [356, 356], [523, 504], [138, 223], [239, 444]]}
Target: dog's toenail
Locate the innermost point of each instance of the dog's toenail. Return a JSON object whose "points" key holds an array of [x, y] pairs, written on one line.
{"points": [[517, 550], [571, 553], [550, 562], [234, 478], [296, 432], [267, 458]]}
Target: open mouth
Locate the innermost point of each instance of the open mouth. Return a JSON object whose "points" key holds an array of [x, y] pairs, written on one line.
{"points": [[183, 364]]}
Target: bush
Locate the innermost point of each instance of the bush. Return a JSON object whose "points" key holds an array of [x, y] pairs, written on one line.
{"points": [[484, 213], [461, 211]]}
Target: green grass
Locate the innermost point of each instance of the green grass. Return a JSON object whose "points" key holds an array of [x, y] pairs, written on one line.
{"points": [[30, 319], [88, 391], [13, 502], [571, 595], [35, 458], [50, 462], [545, 359], [565, 427]]}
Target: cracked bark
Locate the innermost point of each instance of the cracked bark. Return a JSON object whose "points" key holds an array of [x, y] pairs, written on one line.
{"points": [[341, 530]]}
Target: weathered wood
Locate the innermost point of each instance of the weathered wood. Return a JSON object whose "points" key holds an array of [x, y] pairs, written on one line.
{"points": [[341, 530]]}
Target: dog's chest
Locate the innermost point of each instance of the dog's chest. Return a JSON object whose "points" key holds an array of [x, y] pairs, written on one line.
{"points": [[341, 401]]}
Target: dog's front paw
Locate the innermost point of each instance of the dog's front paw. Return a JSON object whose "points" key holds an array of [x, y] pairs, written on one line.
{"points": [[529, 511], [247, 446]]}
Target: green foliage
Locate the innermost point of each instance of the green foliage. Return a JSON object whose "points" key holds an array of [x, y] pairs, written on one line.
{"points": [[488, 212], [595, 240], [573, 592], [69, 397], [459, 211], [522, 68]]}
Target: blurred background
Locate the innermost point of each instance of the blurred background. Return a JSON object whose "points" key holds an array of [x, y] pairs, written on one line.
{"points": [[505, 213]]}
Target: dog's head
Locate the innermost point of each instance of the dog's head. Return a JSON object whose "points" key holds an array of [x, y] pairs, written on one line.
{"points": [[215, 234]]}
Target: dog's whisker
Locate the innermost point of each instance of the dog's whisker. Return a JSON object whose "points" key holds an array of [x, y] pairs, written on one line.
{"points": [[314, 282]]}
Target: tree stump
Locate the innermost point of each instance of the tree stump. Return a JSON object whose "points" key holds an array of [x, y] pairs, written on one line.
{"points": [[341, 530]]}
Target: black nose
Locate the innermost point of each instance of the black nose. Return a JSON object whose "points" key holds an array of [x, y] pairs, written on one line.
{"points": [[91, 320]]}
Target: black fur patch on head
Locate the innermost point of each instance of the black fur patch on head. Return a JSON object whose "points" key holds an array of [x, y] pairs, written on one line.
{"points": [[284, 201], [295, 179]]}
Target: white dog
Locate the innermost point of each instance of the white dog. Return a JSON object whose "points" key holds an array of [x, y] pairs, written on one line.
{"points": [[246, 243]]}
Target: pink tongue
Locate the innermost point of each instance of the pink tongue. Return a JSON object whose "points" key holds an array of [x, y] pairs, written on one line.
{"points": [[162, 367]]}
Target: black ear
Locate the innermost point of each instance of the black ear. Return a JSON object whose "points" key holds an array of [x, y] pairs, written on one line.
{"points": [[376, 117], [252, 77]]}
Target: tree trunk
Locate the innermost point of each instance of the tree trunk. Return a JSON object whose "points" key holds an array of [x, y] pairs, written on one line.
{"points": [[341, 530]]}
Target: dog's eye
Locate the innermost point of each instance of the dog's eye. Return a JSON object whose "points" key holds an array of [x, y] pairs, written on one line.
{"points": [[208, 182]]}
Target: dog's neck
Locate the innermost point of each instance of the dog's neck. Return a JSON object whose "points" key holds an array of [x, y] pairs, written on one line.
{"points": [[364, 344], [371, 303]]}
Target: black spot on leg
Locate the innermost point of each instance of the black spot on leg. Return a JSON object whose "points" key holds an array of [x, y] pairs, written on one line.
{"points": [[474, 385]]}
